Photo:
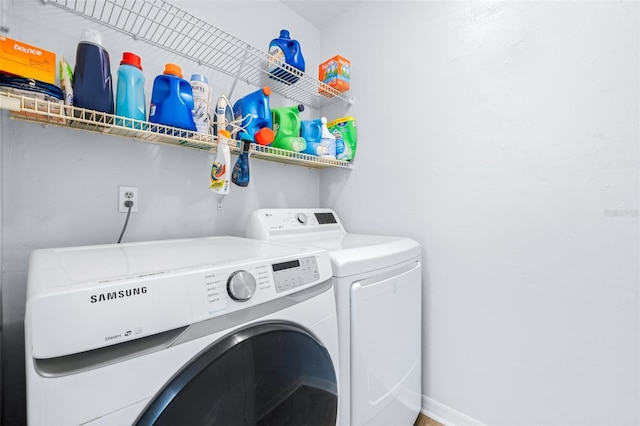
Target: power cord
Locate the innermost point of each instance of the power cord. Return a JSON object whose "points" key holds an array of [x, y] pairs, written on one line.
{"points": [[127, 204]]}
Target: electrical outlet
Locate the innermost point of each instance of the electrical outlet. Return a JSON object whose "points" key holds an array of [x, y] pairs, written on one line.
{"points": [[128, 193]]}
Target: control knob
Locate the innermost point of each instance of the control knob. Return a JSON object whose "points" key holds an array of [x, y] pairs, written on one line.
{"points": [[301, 218], [241, 285]]}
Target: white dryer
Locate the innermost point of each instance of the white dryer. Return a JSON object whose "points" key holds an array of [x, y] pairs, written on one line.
{"points": [[215, 331], [378, 285]]}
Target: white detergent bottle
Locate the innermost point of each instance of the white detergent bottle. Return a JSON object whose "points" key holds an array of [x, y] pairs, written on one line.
{"points": [[220, 169], [201, 100], [328, 141]]}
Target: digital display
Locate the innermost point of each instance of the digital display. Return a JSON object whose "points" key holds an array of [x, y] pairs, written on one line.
{"points": [[324, 218], [285, 265], [295, 273]]}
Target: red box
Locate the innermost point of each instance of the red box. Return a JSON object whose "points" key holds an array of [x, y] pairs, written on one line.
{"points": [[335, 72]]}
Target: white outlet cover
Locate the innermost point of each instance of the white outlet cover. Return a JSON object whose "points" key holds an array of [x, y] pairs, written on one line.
{"points": [[121, 198]]}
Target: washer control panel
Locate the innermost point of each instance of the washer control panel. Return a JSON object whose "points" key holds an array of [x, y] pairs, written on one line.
{"points": [[226, 290], [165, 289], [295, 273]]}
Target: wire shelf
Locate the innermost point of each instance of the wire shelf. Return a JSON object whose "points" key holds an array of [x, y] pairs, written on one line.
{"points": [[55, 113], [168, 27]]}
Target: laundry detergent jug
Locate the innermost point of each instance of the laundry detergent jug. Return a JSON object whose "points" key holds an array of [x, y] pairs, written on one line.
{"points": [[254, 111], [92, 83], [311, 131], [130, 100], [284, 49], [286, 126], [172, 100]]}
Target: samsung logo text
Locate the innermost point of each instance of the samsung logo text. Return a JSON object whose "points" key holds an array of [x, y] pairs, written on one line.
{"points": [[113, 295]]}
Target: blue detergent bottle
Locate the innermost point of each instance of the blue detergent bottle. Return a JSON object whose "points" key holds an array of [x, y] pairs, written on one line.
{"points": [[288, 51], [172, 100], [255, 113], [92, 83], [311, 131], [130, 100]]}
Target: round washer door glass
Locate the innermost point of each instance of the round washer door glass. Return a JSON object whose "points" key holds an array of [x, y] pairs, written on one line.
{"points": [[269, 374]]}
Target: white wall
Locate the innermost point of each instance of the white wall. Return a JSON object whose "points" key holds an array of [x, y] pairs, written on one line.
{"points": [[504, 138], [501, 136], [60, 186]]}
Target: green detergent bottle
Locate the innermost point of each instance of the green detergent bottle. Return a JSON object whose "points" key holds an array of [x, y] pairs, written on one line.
{"points": [[286, 126]]}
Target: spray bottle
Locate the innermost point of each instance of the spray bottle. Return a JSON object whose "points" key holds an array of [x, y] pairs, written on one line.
{"points": [[219, 179], [240, 174], [327, 141]]}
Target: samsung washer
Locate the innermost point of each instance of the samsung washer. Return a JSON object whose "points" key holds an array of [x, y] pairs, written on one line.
{"points": [[218, 330], [378, 285]]}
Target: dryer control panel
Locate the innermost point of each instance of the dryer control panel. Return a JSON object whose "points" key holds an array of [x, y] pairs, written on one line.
{"points": [[272, 224]]}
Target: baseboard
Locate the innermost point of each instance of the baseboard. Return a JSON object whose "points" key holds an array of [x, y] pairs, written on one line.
{"points": [[446, 415]]}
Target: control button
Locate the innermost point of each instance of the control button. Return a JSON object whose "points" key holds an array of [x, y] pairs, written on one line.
{"points": [[241, 285], [301, 218]]}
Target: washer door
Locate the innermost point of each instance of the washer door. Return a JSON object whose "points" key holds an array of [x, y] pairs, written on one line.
{"points": [[268, 374]]}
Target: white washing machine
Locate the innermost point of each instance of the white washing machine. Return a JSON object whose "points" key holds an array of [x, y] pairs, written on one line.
{"points": [[216, 331], [378, 285]]}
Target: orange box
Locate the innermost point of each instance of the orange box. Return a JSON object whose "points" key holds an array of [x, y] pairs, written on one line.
{"points": [[27, 61], [335, 72]]}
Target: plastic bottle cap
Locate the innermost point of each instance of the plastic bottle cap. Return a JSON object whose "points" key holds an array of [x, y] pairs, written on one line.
{"points": [[284, 34], [323, 120], [129, 58], [91, 36], [341, 120], [173, 69], [264, 136], [224, 133], [199, 77], [266, 90], [300, 107]]}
